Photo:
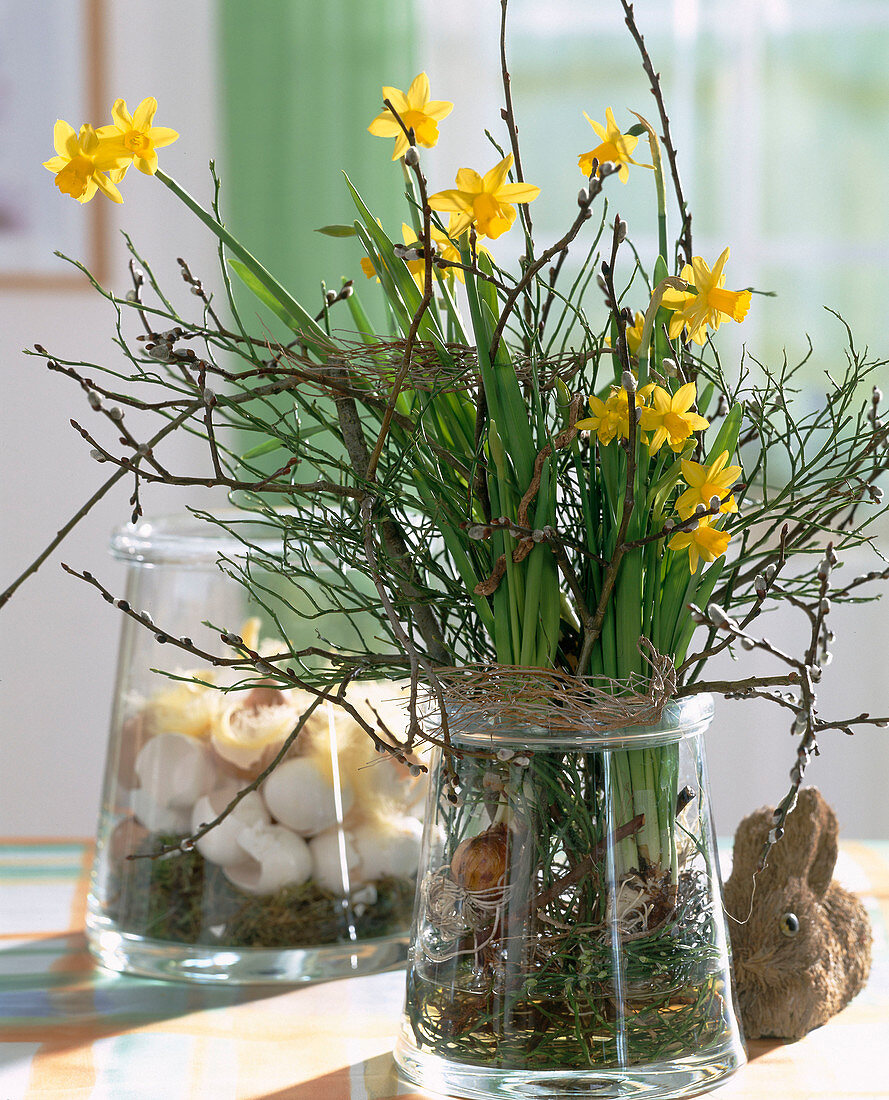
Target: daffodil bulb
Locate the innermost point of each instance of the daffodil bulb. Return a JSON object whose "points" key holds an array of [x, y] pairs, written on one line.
{"points": [[189, 708], [300, 795], [174, 770], [276, 858], [156, 818], [388, 848], [221, 844], [246, 731], [334, 859]]}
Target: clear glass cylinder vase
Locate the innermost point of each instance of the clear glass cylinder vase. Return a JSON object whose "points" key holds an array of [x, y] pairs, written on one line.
{"points": [[569, 937], [312, 875]]}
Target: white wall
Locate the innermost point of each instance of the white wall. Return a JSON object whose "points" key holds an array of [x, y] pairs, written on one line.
{"points": [[58, 640]]}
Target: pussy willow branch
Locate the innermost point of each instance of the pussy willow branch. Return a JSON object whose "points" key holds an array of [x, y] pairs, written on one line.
{"points": [[251, 661], [769, 579], [508, 116], [85, 509], [393, 539], [186, 843], [531, 270], [666, 137]]}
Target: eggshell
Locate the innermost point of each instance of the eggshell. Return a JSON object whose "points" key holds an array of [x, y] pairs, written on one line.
{"points": [[387, 780], [277, 858], [221, 845], [155, 818], [388, 848], [301, 797], [174, 770], [327, 861], [248, 729], [188, 708]]}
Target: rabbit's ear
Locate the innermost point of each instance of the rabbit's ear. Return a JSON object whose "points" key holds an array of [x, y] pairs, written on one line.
{"points": [[811, 831]]}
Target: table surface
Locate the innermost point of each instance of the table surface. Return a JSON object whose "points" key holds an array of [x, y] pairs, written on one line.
{"points": [[73, 1031]]}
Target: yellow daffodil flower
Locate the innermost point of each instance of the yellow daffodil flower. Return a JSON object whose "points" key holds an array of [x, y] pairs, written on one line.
{"points": [[706, 482], [610, 417], [484, 200], [417, 111], [705, 543], [80, 162], [670, 418], [135, 137], [615, 147], [710, 306], [633, 334]]}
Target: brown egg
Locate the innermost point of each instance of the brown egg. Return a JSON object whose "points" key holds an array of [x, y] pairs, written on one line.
{"points": [[134, 733], [125, 838], [481, 862]]}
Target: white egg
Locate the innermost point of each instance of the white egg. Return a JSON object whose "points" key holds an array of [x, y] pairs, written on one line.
{"points": [[388, 848], [277, 858], [221, 845], [300, 796], [175, 770], [155, 818], [328, 869]]}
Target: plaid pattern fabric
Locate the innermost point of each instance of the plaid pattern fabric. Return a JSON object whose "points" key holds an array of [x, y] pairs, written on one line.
{"points": [[73, 1031]]}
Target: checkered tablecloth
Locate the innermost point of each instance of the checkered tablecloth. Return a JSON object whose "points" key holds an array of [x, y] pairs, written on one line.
{"points": [[73, 1031]]}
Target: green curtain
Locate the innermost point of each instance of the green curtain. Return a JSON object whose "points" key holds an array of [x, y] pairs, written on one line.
{"points": [[300, 81]]}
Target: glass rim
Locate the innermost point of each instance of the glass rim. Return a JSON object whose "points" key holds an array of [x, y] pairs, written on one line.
{"points": [[681, 718], [189, 538]]}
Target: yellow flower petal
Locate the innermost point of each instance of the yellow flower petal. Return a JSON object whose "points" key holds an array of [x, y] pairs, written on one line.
{"points": [[418, 92], [398, 100], [162, 135], [65, 139], [123, 120], [518, 192], [144, 113]]}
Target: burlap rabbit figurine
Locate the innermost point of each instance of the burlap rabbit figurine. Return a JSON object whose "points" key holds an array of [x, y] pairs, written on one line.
{"points": [[806, 949]]}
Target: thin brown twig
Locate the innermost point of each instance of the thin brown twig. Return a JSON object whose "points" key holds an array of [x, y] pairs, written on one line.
{"points": [[666, 136]]}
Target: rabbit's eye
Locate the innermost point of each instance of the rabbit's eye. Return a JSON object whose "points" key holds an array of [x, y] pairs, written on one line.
{"points": [[789, 924]]}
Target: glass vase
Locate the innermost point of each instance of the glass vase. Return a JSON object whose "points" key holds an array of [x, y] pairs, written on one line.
{"points": [[569, 938], [313, 874]]}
